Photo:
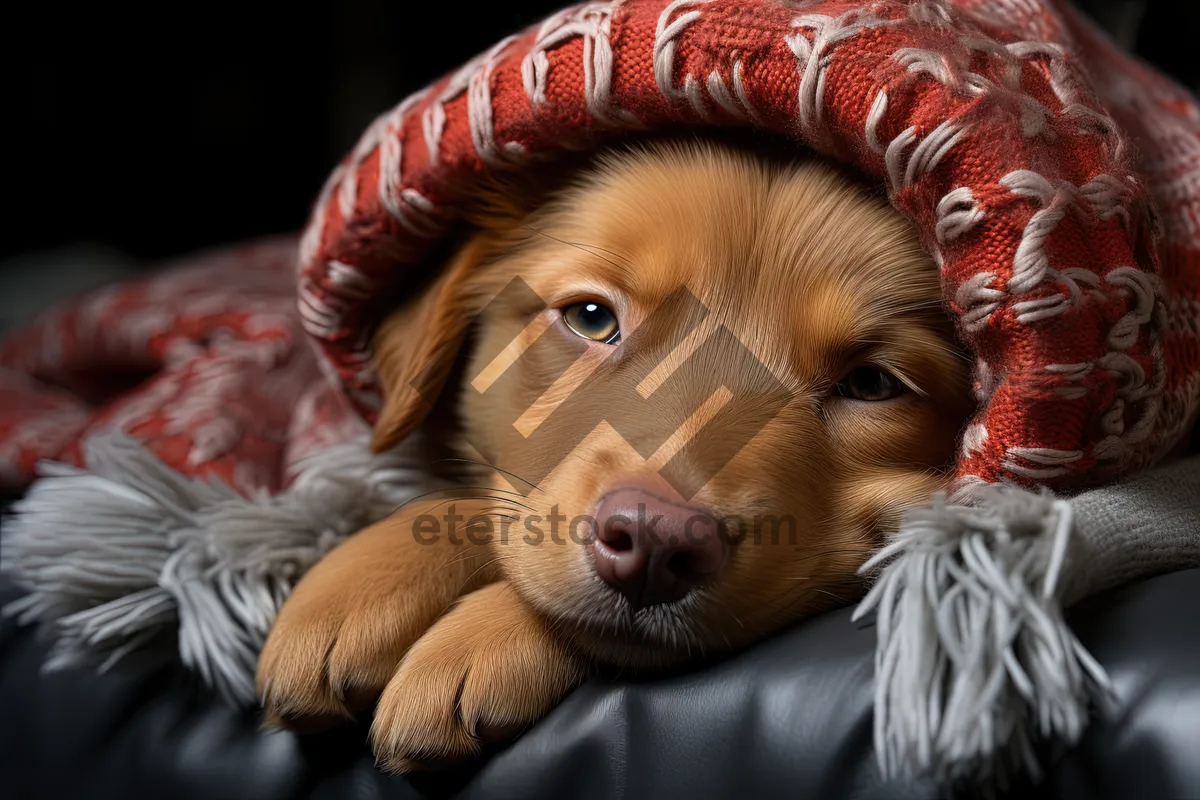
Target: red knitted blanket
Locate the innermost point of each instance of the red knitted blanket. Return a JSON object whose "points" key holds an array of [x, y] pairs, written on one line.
{"points": [[1055, 180]]}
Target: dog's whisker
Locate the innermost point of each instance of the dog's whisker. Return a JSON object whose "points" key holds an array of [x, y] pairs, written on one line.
{"points": [[490, 510], [445, 489], [629, 264], [494, 560], [558, 622], [511, 517], [481, 497], [468, 552], [469, 499], [849, 551], [485, 465], [577, 246], [503, 500]]}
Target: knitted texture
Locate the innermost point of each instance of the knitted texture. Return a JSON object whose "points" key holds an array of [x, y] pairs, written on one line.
{"points": [[1028, 151], [204, 362], [1053, 178]]}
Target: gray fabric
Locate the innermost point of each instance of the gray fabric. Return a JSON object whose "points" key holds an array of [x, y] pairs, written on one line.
{"points": [[974, 661], [130, 550], [1146, 525]]}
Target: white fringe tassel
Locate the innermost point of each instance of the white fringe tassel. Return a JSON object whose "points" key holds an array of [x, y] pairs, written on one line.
{"points": [[974, 660], [131, 550]]}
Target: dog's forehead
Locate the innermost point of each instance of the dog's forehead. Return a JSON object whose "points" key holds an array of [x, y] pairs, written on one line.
{"points": [[788, 256]]}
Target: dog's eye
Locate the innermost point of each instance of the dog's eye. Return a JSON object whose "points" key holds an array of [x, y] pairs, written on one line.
{"points": [[870, 384], [592, 321]]}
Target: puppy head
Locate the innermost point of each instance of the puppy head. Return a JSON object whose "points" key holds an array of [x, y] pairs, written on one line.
{"points": [[708, 381]]}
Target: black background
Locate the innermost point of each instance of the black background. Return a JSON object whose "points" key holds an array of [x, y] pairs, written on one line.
{"points": [[161, 130]]}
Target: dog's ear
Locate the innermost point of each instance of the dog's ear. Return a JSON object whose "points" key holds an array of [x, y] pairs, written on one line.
{"points": [[416, 346]]}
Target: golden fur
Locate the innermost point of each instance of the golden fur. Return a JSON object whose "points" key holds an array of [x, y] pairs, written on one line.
{"points": [[808, 269]]}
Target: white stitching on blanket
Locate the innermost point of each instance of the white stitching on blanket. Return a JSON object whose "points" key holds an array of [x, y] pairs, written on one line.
{"points": [[1035, 117], [738, 106], [349, 281], [405, 205], [348, 192], [593, 23], [973, 438], [397, 201], [1066, 85], [1073, 374], [433, 122], [664, 50], [1124, 333], [874, 117], [1104, 196], [932, 149], [557, 29], [736, 103], [813, 58], [978, 299], [386, 126], [740, 90], [894, 155], [320, 316], [957, 213], [1050, 461], [479, 110], [311, 240]]}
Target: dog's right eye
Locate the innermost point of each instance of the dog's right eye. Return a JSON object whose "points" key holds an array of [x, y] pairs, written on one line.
{"points": [[870, 384], [594, 321]]}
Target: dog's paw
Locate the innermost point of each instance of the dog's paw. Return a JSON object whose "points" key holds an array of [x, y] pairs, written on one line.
{"points": [[341, 635], [483, 673], [329, 655], [338, 639]]}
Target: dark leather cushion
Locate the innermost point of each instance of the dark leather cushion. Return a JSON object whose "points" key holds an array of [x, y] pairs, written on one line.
{"points": [[789, 718]]}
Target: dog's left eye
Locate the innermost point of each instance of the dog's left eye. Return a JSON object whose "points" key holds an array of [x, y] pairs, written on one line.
{"points": [[591, 320], [870, 384]]}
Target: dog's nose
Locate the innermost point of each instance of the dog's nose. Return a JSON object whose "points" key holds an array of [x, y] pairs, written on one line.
{"points": [[653, 550]]}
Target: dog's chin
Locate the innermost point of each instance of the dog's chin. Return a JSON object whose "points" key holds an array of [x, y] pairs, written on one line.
{"points": [[610, 632]]}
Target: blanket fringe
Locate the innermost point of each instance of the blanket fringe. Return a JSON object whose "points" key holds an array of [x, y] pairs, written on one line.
{"points": [[129, 550], [974, 659]]}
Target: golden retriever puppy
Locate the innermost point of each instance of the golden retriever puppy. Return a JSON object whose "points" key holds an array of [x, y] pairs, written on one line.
{"points": [[695, 386]]}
